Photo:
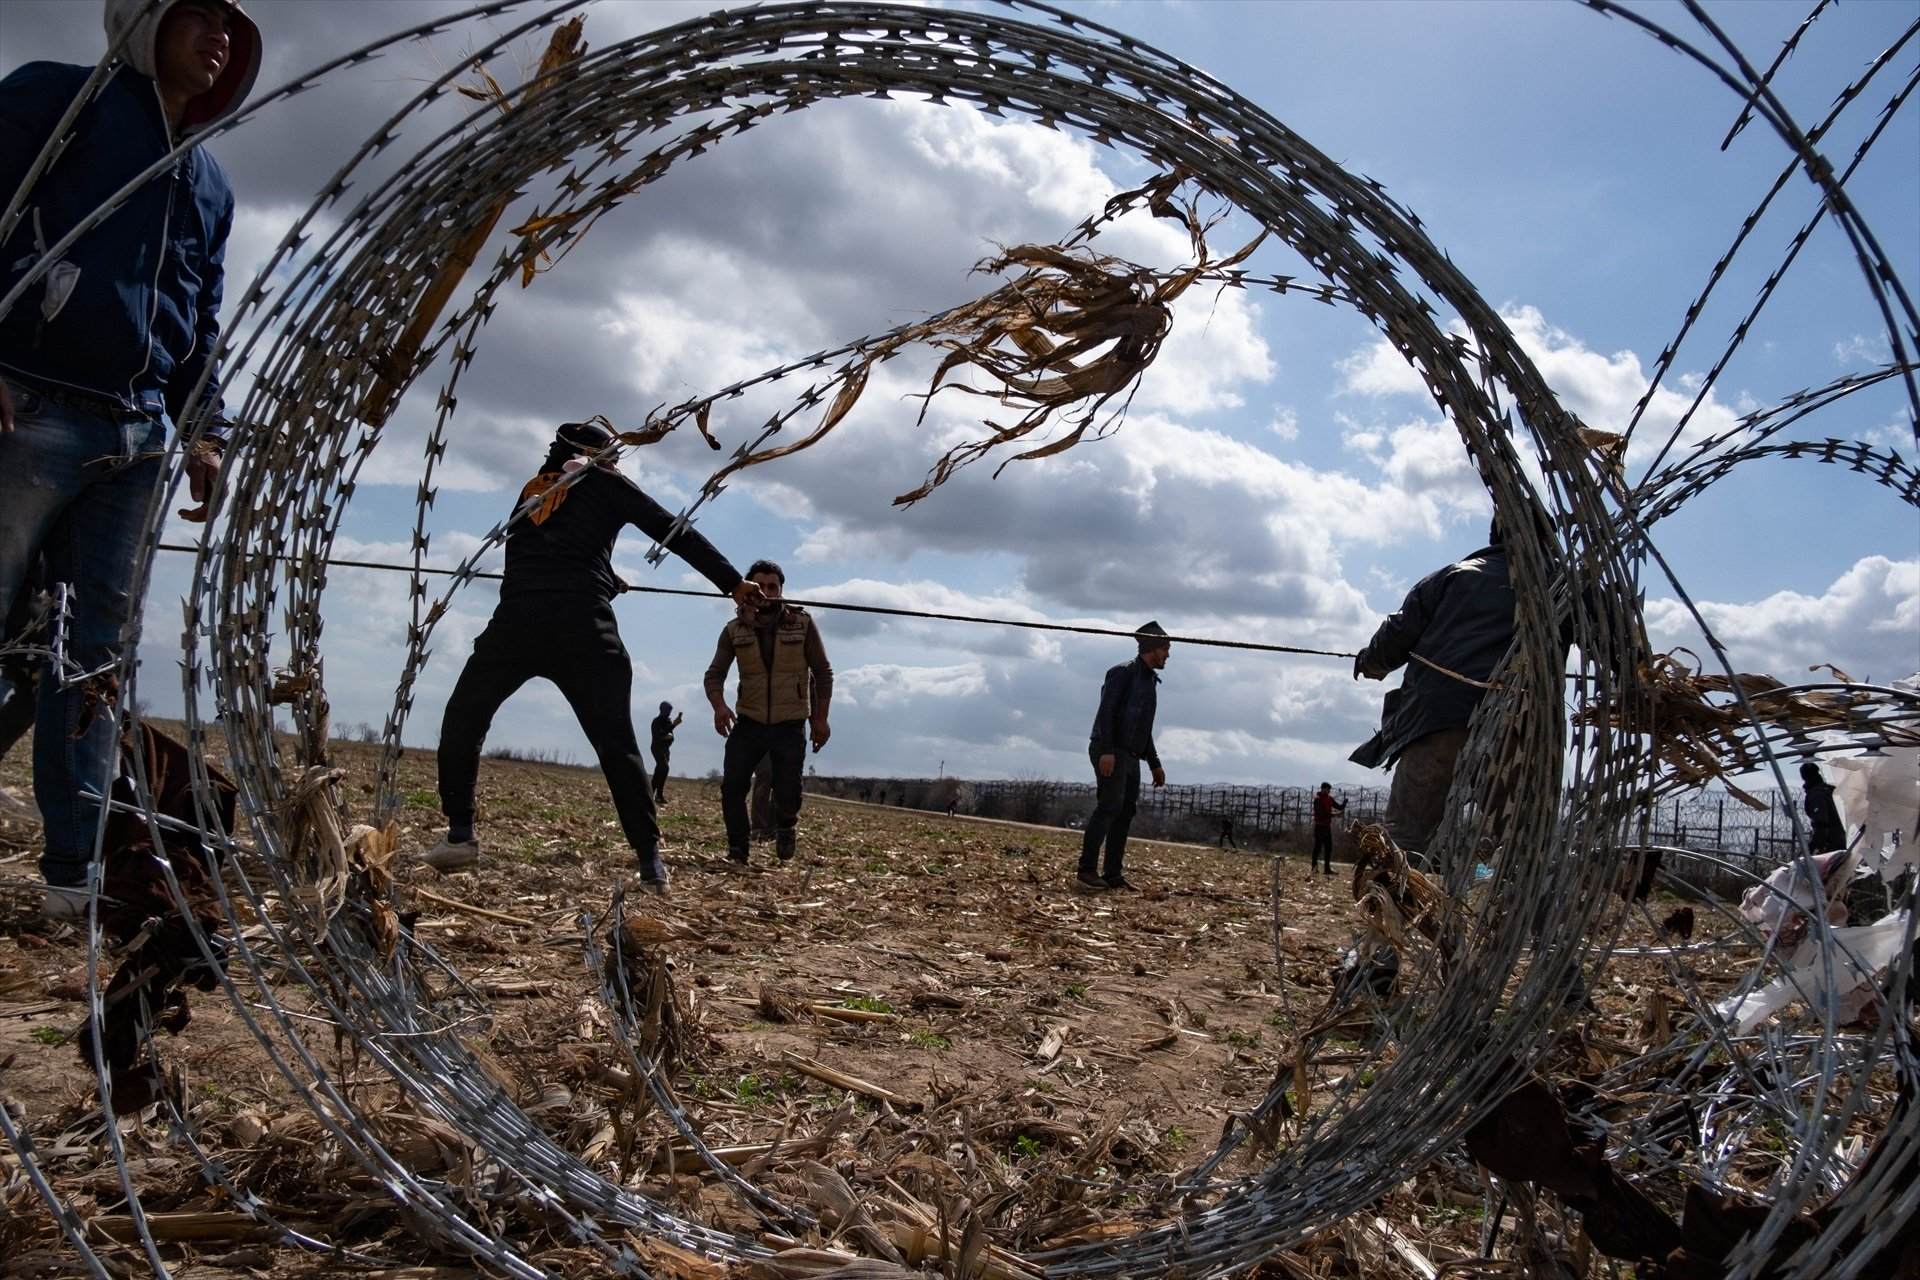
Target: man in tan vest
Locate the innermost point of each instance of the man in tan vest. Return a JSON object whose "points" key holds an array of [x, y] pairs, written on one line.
{"points": [[785, 686]]}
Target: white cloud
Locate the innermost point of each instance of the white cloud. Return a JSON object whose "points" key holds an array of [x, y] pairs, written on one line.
{"points": [[1867, 623], [1601, 389], [878, 686]]}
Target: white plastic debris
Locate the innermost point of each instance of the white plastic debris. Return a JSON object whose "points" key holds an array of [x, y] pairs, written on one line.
{"points": [[1859, 954]]}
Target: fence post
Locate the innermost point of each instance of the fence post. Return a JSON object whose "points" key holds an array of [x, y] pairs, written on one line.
{"points": [[1720, 825]]}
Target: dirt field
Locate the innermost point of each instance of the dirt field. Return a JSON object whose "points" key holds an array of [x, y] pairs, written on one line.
{"points": [[1016, 1026]]}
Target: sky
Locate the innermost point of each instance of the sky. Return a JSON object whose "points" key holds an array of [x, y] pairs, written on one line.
{"points": [[1281, 477]]}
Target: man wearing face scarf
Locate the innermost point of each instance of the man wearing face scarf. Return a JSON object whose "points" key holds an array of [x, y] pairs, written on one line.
{"points": [[555, 621]]}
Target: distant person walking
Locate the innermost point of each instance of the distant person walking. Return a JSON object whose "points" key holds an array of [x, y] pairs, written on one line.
{"points": [[1824, 830], [661, 731], [1226, 835], [786, 685], [555, 622], [1122, 737], [1324, 807], [1460, 618]]}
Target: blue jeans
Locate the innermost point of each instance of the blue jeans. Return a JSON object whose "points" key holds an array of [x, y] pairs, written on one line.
{"points": [[74, 489]]}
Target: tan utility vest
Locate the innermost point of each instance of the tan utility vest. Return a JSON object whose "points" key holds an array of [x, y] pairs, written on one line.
{"points": [[784, 693]]}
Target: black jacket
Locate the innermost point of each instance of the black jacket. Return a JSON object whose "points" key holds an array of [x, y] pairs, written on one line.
{"points": [[1461, 618], [1124, 722], [662, 729], [567, 550], [1823, 818]]}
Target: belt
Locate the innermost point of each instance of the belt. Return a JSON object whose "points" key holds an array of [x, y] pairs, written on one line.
{"points": [[100, 406]]}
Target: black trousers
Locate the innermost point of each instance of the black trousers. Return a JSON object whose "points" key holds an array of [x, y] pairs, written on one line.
{"points": [[782, 745], [1322, 847], [575, 644], [760, 812], [660, 755], [1116, 798]]}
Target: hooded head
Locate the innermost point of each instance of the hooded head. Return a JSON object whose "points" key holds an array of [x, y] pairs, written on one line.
{"points": [[140, 21], [665, 707]]}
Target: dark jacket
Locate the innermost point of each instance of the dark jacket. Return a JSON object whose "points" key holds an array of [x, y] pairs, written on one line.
{"points": [[140, 318], [1825, 830], [1128, 699], [1460, 618], [565, 547], [662, 730]]}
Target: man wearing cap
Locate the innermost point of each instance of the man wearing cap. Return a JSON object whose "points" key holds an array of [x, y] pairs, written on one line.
{"points": [[1122, 737], [102, 351], [661, 731], [555, 621]]}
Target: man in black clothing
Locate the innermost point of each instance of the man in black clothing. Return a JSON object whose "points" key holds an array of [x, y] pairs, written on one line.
{"points": [[662, 729], [555, 621], [786, 686], [1122, 737], [1459, 618], [1226, 833], [1825, 832]]}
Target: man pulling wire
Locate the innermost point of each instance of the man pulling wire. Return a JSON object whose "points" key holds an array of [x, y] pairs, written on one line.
{"points": [[555, 621]]}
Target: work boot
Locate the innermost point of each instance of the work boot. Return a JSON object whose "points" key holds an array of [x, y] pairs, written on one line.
{"points": [[1089, 880], [783, 843], [449, 855], [737, 855], [653, 872], [1120, 882]]}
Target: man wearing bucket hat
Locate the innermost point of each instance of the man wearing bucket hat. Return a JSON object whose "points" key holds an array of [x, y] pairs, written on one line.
{"points": [[1122, 737], [555, 621], [102, 350]]}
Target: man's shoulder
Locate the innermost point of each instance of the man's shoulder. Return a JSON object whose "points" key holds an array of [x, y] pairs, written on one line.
{"points": [[211, 180], [48, 75]]}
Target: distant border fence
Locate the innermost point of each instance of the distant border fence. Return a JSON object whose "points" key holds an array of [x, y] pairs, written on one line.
{"points": [[1278, 818]]}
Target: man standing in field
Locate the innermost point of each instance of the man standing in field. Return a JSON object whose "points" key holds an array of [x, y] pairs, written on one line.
{"points": [[1459, 618], [1324, 807], [101, 355], [1122, 737], [785, 687], [661, 731], [555, 622]]}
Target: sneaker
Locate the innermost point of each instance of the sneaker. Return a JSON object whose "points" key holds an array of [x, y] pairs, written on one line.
{"points": [[652, 865], [64, 904], [448, 856], [784, 843], [1089, 880], [1122, 883]]}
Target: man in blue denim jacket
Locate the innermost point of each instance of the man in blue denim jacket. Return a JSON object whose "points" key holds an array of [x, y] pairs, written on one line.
{"points": [[101, 352], [1122, 737]]}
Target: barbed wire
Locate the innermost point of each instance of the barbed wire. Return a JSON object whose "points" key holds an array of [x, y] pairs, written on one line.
{"points": [[1550, 809]]}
